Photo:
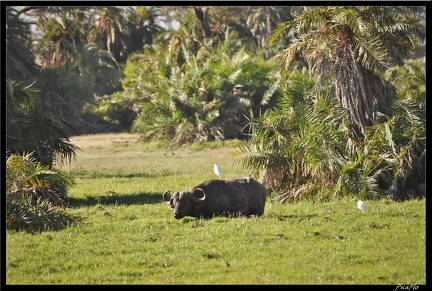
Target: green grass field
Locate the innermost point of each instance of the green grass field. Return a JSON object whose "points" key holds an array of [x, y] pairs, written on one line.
{"points": [[128, 235]]}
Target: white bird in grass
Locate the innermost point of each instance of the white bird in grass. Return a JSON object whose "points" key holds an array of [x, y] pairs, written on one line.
{"points": [[361, 205], [217, 170]]}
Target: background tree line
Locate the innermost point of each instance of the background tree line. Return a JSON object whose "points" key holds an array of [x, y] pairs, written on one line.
{"points": [[329, 100]]}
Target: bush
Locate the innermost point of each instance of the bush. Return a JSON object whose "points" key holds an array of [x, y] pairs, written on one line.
{"points": [[35, 195]]}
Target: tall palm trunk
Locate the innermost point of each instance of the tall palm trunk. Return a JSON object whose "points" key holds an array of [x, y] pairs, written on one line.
{"points": [[351, 90], [359, 90]]}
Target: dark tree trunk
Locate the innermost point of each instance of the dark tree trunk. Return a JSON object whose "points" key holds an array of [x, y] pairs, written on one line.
{"points": [[360, 90], [203, 16]]}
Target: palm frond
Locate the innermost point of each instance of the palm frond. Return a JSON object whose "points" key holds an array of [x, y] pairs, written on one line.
{"points": [[281, 28], [269, 93], [372, 53]]}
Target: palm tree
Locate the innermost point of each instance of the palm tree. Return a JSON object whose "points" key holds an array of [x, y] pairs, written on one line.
{"points": [[59, 36], [209, 23], [402, 136], [262, 20], [303, 145], [20, 62], [35, 195], [70, 93], [111, 30], [99, 66], [298, 145], [30, 130], [181, 41], [353, 45], [142, 27], [182, 88], [29, 127]]}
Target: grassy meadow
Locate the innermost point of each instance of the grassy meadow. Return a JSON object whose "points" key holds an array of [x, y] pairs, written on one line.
{"points": [[128, 235]]}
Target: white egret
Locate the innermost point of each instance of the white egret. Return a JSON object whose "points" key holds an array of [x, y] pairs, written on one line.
{"points": [[217, 170], [361, 205]]}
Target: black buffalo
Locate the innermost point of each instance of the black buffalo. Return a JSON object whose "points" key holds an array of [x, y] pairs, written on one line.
{"points": [[233, 197]]}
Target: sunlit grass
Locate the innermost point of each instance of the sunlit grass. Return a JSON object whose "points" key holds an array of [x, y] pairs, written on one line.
{"points": [[129, 236]]}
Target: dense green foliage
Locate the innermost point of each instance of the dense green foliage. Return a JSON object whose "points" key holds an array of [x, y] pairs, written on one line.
{"points": [[351, 46], [36, 197], [299, 144], [303, 147], [207, 97], [29, 127], [373, 141]]}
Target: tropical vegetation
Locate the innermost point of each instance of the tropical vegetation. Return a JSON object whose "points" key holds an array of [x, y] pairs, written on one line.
{"points": [[328, 100], [36, 197], [372, 141]]}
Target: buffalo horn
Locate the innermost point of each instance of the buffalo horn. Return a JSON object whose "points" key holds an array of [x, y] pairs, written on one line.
{"points": [[196, 199], [163, 195]]}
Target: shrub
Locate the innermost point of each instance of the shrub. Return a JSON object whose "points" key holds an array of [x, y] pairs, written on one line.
{"points": [[35, 195]]}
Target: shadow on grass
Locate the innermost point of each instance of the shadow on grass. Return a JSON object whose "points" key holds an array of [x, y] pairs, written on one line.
{"points": [[299, 217], [108, 175], [116, 199]]}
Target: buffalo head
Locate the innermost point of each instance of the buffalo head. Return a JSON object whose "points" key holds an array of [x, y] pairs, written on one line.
{"points": [[185, 202]]}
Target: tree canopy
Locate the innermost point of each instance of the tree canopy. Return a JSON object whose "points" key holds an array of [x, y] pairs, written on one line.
{"points": [[329, 100]]}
